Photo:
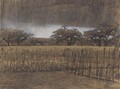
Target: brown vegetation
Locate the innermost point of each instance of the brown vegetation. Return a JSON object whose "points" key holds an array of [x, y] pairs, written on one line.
{"points": [[100, 63]]}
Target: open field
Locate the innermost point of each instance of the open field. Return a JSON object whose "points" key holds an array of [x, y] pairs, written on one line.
{"points": [[98, 62], [59, 67], [52, 80]]}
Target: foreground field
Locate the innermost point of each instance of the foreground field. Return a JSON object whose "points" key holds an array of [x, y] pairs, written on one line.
{"points": [[97, 62], [59, 67], [52, 80]]}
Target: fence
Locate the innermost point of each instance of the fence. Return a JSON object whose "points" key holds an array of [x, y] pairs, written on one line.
{"points": [[100, 63]]}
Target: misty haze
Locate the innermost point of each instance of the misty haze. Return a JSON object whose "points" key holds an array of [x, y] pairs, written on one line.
{"points": [[41, 31]]}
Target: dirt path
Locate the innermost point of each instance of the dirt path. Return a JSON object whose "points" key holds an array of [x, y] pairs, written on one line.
{"points": [[51, 80]]}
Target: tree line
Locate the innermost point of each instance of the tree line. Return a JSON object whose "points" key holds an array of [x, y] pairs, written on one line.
{"points": [[103, 35]]}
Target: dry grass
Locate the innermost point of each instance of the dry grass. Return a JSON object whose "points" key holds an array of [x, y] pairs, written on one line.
{"points": [[100, 62], [52, 80], [24, 67]]}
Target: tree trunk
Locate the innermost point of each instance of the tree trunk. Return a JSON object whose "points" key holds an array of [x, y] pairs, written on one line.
{"points": [[8, 44], [98, 42], [18, 43], [69, 43]]}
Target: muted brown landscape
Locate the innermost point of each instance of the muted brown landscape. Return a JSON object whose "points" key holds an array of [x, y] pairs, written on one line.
{"points": [[63, 67], [52, 80], [59, 44]]}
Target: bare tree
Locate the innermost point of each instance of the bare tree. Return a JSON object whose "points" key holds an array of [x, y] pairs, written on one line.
{"points": [[14, 36], [101, 35], [19, 36], [7, 36], [69, 36]]}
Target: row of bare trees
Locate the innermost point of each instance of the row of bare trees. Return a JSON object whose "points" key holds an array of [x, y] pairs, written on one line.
{"points": [[102, 35]]}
